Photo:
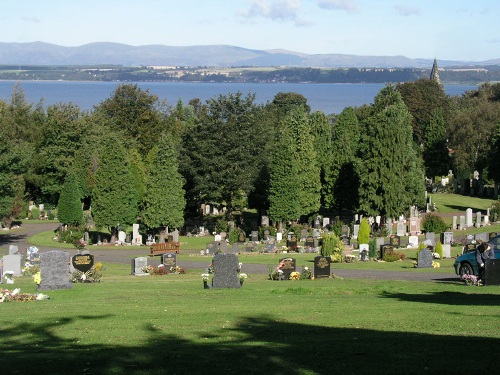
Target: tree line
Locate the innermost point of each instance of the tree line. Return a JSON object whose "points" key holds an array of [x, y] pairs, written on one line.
{"points": [[134, 156]]}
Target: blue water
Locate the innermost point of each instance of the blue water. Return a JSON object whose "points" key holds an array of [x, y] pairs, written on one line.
{"points": [[328, 98]]}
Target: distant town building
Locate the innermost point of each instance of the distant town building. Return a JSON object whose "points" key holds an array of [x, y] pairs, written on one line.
{"points": [[435, 74]]}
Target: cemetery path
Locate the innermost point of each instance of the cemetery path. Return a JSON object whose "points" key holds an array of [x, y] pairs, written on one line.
{"points": [[19, 237]]}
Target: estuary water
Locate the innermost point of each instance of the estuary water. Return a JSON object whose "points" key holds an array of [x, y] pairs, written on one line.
{"points": [[328, 98]]}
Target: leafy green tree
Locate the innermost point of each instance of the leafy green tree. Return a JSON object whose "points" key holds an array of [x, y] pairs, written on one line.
{"points": [[164, 198], [219, 159], [364, 231], [114, 202], [69, 207], [388, 164]]}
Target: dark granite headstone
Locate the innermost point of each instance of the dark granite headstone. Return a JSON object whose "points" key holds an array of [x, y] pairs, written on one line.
{"points": [[82, 263], [424, 259], [288, 267], [54, 270], [492, 272], [291, 243], [226, 271], [169, 260], [271, 245], [310, 242], [384, 249], [395, 241], [322, 266]]}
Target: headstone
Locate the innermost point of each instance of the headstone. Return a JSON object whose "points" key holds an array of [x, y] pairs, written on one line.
{"points": [[175, 235], [254, 236], [400, 229], [266, 234], [322, 266], [288, 266], [207, 209], [454, 223], [122, 236], [492, 272], [86, 237], [82, 263], [316, 223], [468, 218], [424, 259], [379, 241], [13, 262], [223, 236], [211, 248], [413, 241], [271, 245], [384, 249], [241, 236], [462, 223], [486, 220], [169, 260], [478, 219], [364, 251], [135, 235], [414, 226], [395, 241], [482, 237], [469, 239], [292, 241], [54, 270], [446, 251], [431, 236], [1, 271], [303, 235], [279, 236], [226, 268], [217, 238], [355, 231], [310, 242], [326, 222], [235, 249], [264, 221], [138, 264], [447, 238], [389, 227], [13, 250], [223, 246], [345, 230]]}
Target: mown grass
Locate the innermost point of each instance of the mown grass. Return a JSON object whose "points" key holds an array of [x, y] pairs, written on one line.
{"points": [[447, 203], [170, 324]]}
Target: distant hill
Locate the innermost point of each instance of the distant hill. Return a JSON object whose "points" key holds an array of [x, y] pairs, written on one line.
{"points": [[40, 53]]}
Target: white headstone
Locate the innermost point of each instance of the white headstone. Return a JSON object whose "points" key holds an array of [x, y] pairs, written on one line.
{"points": [[122, 236], [12, 263], [468, 218], [135, 233], [454, 223], [413, 241], [364, 246], [400, 229], [478, 219], [13, 249], [486, 220], [326, 221], [137, 264], [462, 223], [446, 251], [279, 236], [217, 238], [355, 231]]}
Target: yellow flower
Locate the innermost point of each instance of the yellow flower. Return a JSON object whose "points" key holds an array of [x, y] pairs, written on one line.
{"points": [[37, 278]]}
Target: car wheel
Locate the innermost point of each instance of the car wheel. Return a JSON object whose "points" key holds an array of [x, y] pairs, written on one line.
{"points": [[465, 269]]}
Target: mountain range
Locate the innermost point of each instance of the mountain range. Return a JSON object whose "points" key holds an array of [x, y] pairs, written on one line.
{"points": [[104, 53]]}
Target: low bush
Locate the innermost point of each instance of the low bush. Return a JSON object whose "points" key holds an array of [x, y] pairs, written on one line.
{"points": [[433, 223]]}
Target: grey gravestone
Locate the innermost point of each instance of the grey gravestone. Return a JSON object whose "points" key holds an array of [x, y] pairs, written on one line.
{"points": [[462, 223], [447, 238], [424, 259], [82, 263], [288, 267], [469, 239], [54, 271], [223, 246], [389, 227], [431, 236], [446, 251], [226, 271], [137, 264], [326, 222], [271, 245], [303, 235], [483, 237], [492, 272], [212, 248], [169, 260], [478, 219], [264, 221], [395, 241], [12, 263], [235, 249], [175, 236], [345, 230], [310, 242], [454, 223], [322, 266], [400, 229], [1, 271], [13, 250], [380, 241], [355, 231], [254, 236]]}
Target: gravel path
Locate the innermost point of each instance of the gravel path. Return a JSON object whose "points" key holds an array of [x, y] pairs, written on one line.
{"points": [[123, 255]]}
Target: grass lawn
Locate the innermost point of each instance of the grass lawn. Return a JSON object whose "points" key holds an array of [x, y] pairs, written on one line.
{"points": [[171, 325], [447, 203]]}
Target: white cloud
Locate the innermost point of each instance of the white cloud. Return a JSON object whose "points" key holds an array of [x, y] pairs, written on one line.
{"points": [[279, 10], [406, 10], [348, 5]]}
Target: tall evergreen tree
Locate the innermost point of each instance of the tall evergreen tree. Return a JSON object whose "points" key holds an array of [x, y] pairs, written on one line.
{"points": [[114, 203], [388, 163], [164, 199], [69, 207]]}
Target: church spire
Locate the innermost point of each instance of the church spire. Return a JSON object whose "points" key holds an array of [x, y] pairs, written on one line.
{"points": [[435, 74]]}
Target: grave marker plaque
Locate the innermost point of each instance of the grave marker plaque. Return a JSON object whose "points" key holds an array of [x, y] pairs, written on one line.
{"points": [[395, 241], [271, 245], [310, 242], [291, 243], [322, 266], [288, 267], [169, 260], [82, 263], [384, 249]]}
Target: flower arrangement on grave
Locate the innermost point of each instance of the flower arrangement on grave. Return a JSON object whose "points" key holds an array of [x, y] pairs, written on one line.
{"points": [[204, 277], [147, 269], [436, 264], [306, 274], [91, 276], [471, 280], [277, 273], [30, 269], [16, 296], [9, 277], [242, 277], [37, 278], [295, 275]]}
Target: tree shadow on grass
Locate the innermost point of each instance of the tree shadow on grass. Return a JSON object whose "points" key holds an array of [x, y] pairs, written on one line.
{"points": [[448, 298], [254, 345]]}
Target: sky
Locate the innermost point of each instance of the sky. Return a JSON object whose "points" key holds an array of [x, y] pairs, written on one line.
{"points": [[463, 30]]}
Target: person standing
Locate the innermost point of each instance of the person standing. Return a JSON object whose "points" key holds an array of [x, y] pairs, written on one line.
{"points": [[483, 253]]}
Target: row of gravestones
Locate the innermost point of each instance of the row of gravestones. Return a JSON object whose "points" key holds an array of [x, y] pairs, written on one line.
{"points": [[322, 266], [55, 267], [169, 260]]}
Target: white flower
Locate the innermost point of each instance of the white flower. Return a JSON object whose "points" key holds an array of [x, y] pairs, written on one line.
{"points": [[243, 276], [16, 291], [205, 275], [83, 277], [41, 296], [306, 268]]}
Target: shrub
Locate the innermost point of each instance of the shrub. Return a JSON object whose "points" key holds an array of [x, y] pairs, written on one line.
{"points": [[495, 209], [372, 248], [439, 249], [332, 247], [364, 231], [35, 213], [433, 223], [393, 256]]}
